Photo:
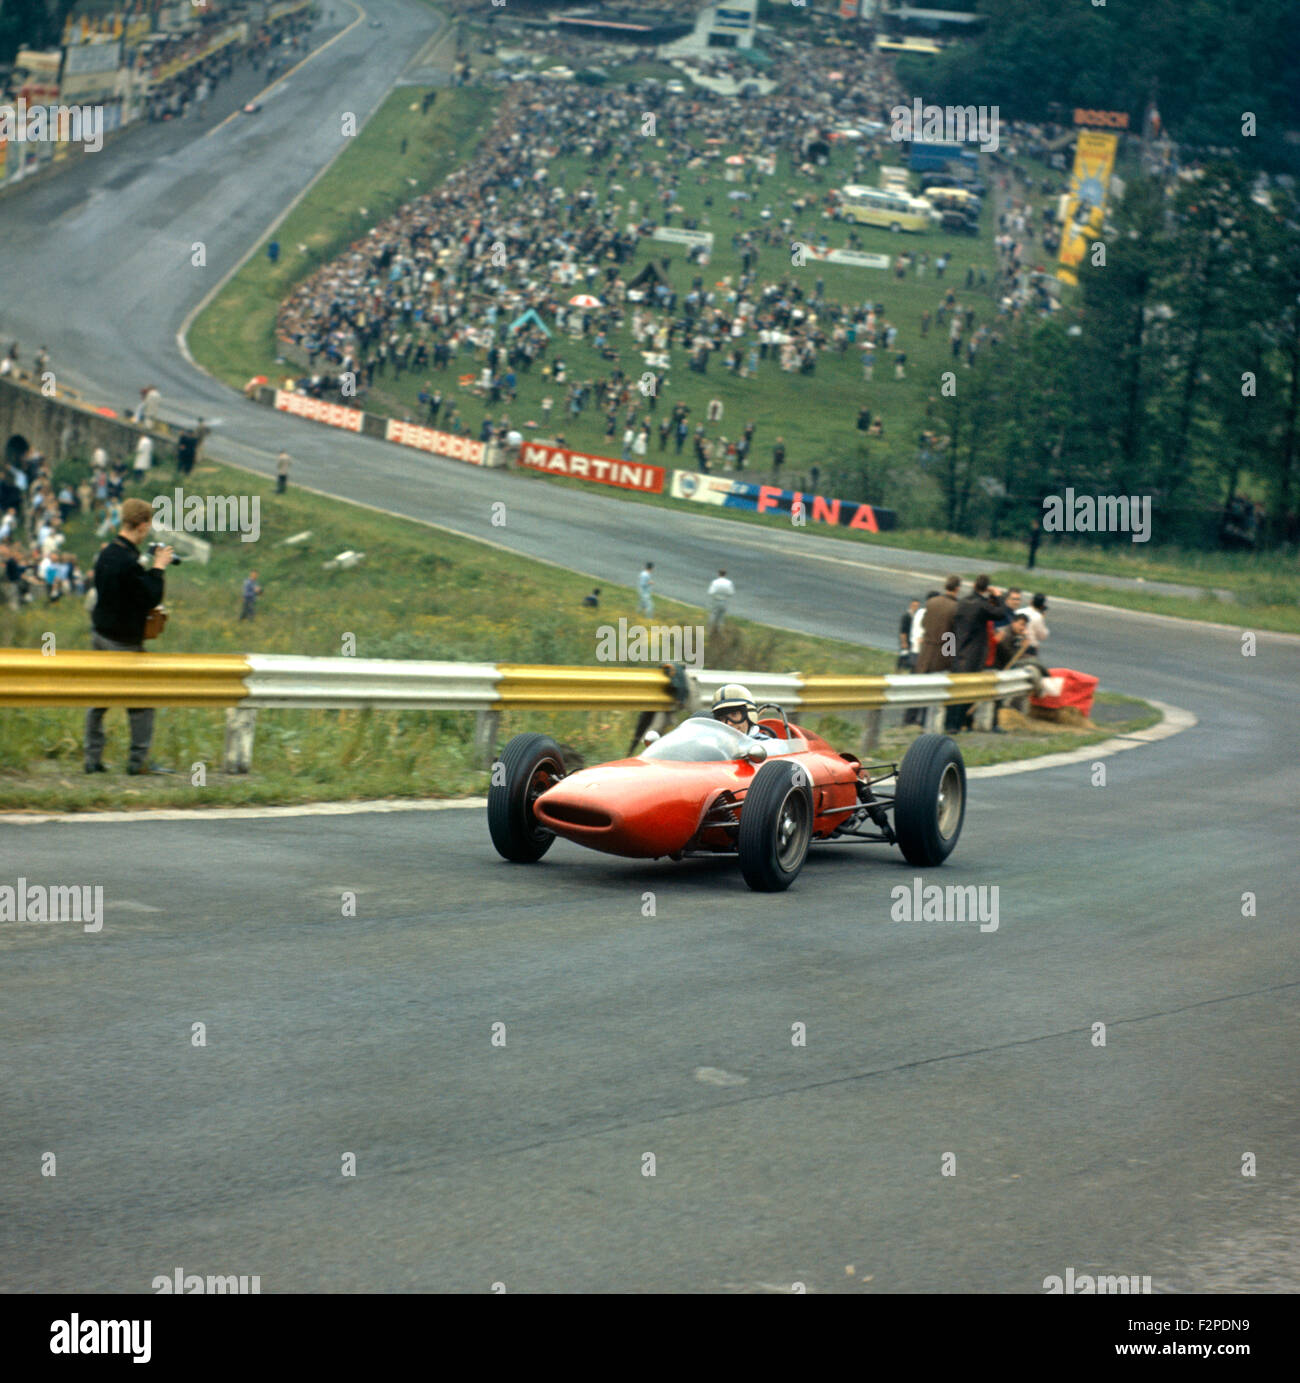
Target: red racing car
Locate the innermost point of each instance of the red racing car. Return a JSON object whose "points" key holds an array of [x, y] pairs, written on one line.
{"points": [[707, 788]]}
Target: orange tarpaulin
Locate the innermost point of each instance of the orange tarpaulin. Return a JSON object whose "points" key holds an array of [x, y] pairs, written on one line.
{"points": [[1077, 691]]}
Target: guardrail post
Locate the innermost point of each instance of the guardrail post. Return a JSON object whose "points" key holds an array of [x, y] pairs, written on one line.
{"points": [[934, 719], [237, 755], [982, 715], [871, 730], [486, 724]]}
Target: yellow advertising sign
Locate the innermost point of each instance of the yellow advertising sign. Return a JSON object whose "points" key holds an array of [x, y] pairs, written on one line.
{"points": [[1094, 161]]}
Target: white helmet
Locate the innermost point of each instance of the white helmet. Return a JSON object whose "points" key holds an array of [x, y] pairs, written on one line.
{"points": [[735, 697]]}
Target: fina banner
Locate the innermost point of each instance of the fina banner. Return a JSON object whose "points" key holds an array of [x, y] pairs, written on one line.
{"points": [[769, 499], [431, 440], [1094, 161], [301, 406], [604, 470]]}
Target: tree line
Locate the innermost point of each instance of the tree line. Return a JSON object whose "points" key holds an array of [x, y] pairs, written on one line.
{"points": [[1175, 373]]}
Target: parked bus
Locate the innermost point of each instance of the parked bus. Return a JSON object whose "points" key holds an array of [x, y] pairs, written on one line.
{"points": [[893, 210], [935, 156]]}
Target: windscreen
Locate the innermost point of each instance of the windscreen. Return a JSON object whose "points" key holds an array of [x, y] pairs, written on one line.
{"points": [[700, 741]]}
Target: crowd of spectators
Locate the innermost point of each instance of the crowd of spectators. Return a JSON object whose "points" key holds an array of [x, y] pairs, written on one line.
{"points": [[36, 561], [455, 286]]}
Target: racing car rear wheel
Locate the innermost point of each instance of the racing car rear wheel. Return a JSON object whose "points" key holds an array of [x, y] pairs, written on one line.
{"points": [[775, 826], [530, 765], [930, 800]]}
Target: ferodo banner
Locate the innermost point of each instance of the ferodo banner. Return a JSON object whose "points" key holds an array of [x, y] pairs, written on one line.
{"points": [[627, 475], [1094, 161], [319, 411], [768, 499], [431, 440]]}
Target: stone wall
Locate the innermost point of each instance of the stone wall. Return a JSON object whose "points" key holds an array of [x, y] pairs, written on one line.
{"points": [[61, 427]]}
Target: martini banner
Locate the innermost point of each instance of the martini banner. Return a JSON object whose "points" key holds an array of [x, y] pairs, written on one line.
{"points": [[1094, 160]]}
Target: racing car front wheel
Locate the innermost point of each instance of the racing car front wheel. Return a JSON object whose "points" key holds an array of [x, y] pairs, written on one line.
{"points": [[530, 765], [930, 800], [775, 826]]}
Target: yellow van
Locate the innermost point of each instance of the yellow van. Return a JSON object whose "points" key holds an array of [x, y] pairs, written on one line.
{"points": [[893, 210]]}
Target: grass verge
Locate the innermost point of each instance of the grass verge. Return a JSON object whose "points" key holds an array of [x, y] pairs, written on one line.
{"points": [[418, 593]]}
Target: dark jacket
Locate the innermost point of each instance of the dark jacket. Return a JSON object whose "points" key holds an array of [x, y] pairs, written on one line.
{"points": [[1009, 647], [124, 592], [970, 625], [939, 612]]}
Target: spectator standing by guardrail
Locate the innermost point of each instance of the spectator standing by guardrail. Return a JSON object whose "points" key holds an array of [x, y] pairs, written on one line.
{"points": [[940, 610], [970, 629], [125, 593], [906, 655], [914, 715], [1038, 630]]}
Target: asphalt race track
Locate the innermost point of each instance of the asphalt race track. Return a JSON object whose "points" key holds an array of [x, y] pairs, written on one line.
{"points": [[629, 1034]]}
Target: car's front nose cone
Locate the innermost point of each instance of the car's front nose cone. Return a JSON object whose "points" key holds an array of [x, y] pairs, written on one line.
{"points": [[623, 810]]}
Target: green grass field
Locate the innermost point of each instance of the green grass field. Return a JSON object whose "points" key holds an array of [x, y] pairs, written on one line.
{"points": [[419, 593], [817, 413]]}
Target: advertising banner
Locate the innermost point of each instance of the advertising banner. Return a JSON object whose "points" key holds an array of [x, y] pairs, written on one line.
{"points": [[438, 443], [1094, 161], [91, 58], [770, 499], [350, 419], [627, 475], [857, 258], [676, 236]]}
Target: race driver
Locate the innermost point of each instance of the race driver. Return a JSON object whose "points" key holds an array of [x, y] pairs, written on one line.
{"points": [[733, 704]]}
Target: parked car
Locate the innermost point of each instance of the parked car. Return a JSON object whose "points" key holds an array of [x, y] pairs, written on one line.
{"points": [[958, 223]]}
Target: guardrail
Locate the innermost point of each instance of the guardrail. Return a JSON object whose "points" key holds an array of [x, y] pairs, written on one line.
{"points": [[256, 681], [243, 684]]}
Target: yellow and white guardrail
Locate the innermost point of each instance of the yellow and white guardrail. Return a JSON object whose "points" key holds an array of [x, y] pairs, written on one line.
{"points": [[253, 681]]}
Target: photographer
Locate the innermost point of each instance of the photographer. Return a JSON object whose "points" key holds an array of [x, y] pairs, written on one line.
{"points": [[125, 593]]}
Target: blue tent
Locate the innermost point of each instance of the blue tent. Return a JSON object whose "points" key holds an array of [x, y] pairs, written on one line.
{"points": [[529, 316]]}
